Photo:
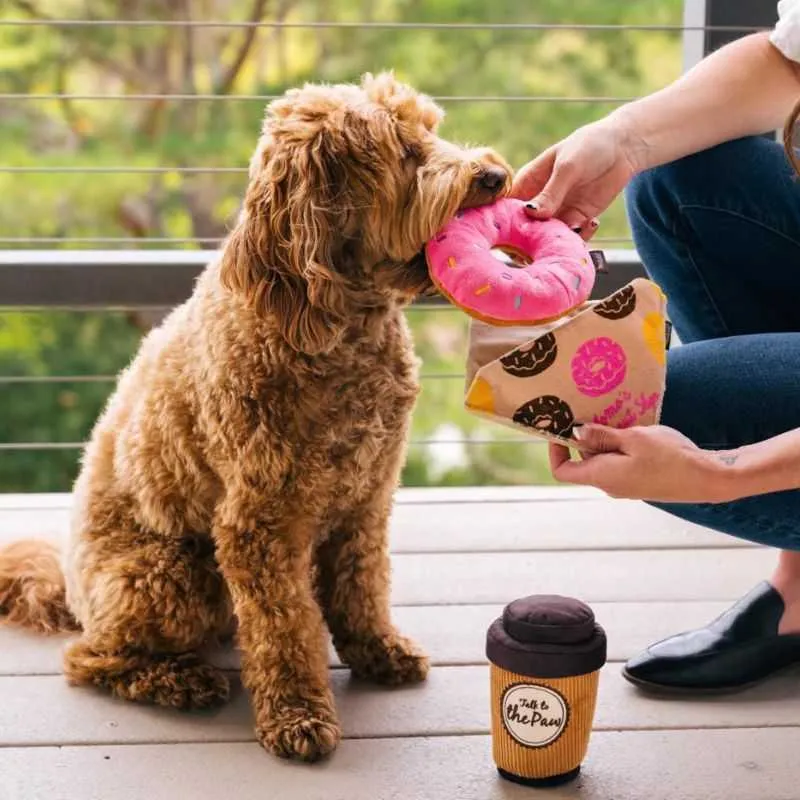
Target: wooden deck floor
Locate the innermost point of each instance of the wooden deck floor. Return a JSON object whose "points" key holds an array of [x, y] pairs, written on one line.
{"points": [[458, 557]]}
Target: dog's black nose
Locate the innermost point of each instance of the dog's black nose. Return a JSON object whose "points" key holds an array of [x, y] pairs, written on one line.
{"points": [[492, 179]]}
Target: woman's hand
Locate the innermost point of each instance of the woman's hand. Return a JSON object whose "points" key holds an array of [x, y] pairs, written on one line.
{"points": [[578, 178], [646, 463]]}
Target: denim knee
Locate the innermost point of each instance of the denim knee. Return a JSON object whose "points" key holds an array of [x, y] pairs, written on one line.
{"points": [[651, 201], [653, 198]]}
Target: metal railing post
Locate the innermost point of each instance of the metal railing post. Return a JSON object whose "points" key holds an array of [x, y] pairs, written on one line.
{"points": [[694, 39]]}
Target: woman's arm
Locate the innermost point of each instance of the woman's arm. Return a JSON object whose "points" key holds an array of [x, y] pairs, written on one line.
{"points": [[747, 87], [769, 466], [661, 465]]}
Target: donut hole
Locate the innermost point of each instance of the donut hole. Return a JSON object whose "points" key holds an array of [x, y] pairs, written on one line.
{"points": [[511, 256], [598, 365]]}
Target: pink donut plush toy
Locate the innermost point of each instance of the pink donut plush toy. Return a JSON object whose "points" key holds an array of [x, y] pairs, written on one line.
{"points": [[552, 273]]}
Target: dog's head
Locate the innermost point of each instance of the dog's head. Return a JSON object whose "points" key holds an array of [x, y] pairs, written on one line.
{"points": [[346, 186]]}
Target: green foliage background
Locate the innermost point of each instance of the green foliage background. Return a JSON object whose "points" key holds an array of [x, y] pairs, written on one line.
{"points": [[125, 60]]}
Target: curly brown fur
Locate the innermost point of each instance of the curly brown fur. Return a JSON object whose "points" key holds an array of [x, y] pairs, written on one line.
{"points": [[32, 590], [247, 461]]}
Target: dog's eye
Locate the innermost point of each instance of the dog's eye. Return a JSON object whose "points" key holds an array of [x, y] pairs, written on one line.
{"points": [[411, 153]]}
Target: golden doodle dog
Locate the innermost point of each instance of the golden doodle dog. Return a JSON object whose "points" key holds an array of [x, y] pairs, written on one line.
{"points": [[244, 469]]}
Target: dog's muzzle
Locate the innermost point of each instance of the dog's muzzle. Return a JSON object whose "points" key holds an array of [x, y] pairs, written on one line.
{"points": [[487, 185]]}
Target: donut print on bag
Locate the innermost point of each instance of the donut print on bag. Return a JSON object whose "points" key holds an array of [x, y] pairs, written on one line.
{"points": [[598, 366], [548, 414], [619, 305], [531, 359]]}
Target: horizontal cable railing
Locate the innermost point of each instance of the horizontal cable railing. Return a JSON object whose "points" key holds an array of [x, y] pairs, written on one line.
{"points": [[365, 24], [215, 240], [60, 379], [29, 447], [233, 98], [54, 170]]}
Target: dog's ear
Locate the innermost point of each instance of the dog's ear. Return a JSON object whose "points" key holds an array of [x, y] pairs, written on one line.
{"points": [[280, 256], [401, 100]]}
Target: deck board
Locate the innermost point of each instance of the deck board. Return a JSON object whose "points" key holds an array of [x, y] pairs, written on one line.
{"points": [[594, 576], [517, 524], [746, 764], [458, 556], [453, 701]]}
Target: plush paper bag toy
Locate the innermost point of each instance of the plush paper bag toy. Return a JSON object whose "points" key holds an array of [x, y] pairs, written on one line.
{"points": [[604, 363]]}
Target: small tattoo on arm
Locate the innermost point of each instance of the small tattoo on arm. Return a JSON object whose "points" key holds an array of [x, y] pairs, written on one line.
{"points": [[729, 461]]}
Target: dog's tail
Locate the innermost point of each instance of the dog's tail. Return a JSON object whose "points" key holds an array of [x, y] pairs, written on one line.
{"points": [[32, 588]]}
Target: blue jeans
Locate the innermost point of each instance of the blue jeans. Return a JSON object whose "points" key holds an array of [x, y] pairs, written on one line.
{"points": [[720, 233]]}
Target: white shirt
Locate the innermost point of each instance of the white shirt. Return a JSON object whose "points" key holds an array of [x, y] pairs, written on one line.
{"points": [[786, 36]]}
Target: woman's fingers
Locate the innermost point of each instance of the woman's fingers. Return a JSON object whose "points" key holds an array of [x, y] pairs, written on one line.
{"points": [[558, 455], [589, 229], [600, 438], [584, 226], [566, 470], [550, 200], [574, 218], [547, 181], [531, 178]]}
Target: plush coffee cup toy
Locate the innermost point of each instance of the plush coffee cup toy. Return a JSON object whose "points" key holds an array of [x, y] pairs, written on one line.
{"points": [[545, 656]]}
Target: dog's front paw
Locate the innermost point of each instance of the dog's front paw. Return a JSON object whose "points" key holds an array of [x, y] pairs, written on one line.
{"points": [[390, 660], [303, 732]]}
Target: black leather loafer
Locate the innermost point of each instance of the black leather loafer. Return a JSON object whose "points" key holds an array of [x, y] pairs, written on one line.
{"points": [[738, 649]]}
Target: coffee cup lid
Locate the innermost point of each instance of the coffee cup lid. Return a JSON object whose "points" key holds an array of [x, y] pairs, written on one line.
{"points": [[548, 636]]}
